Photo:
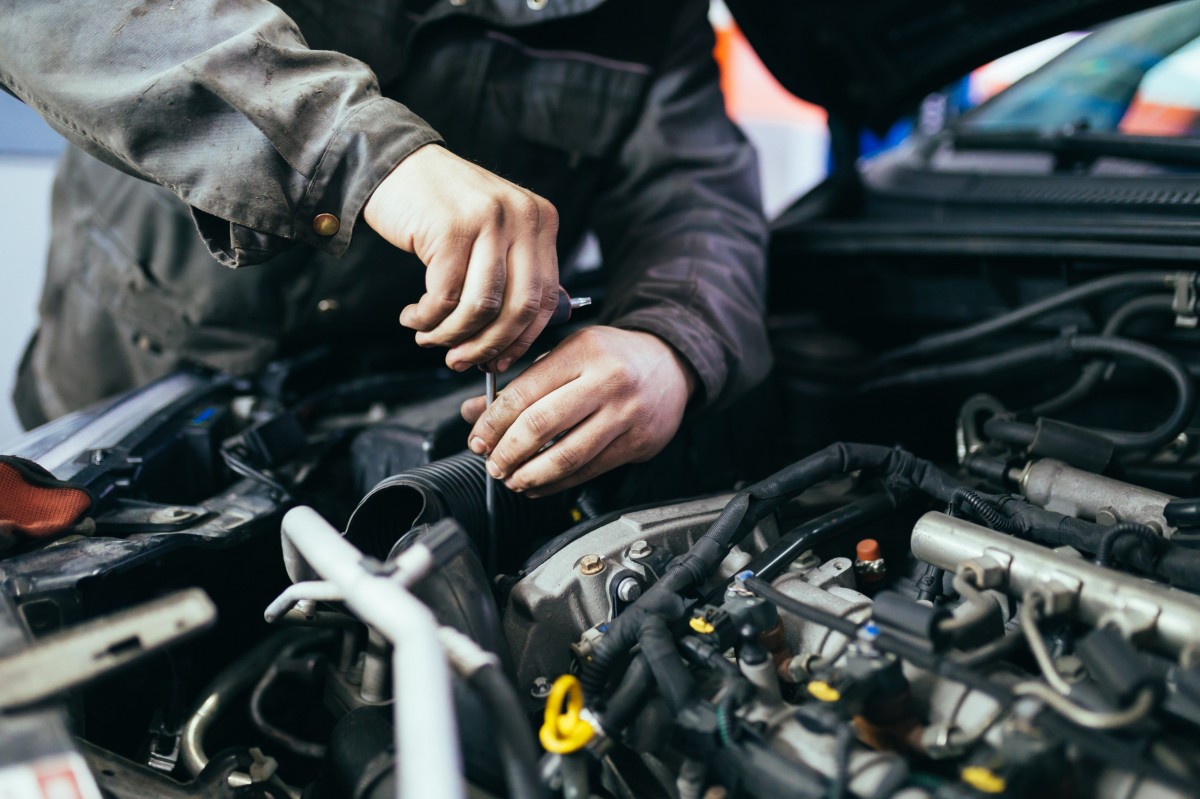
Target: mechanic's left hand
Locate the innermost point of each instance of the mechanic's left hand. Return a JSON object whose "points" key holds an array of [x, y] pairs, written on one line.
{"points": [[618, 395]]}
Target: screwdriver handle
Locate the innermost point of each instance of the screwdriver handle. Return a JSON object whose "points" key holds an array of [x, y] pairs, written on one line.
{"points": [[566, 305]]}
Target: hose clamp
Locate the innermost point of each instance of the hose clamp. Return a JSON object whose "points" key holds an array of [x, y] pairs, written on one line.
{"points": [[1185, 300]]}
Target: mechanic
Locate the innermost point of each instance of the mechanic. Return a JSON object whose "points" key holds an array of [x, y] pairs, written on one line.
{"points": [[330, 145]]}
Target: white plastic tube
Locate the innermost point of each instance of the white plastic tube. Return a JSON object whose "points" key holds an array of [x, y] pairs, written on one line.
{"points": [[427, 757]]}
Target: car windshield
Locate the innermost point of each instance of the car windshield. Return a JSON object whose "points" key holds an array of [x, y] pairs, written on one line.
{"points": [[1138, 76]]}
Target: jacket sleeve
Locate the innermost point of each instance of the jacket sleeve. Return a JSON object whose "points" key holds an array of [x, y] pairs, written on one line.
{"points": [[683, 227], [220, 101]]}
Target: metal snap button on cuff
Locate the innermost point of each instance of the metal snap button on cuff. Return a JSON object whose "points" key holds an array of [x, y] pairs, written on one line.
{"points": [[326, 225], [537, 5], [328, 306]]}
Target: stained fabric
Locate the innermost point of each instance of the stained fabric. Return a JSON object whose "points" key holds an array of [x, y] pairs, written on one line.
{"points": [[217, 131]]}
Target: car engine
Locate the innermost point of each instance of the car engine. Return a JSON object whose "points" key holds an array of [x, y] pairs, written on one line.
{"points": [[289, 585]]}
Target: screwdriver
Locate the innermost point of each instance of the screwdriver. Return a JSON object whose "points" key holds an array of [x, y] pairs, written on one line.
{"points": [[562, 313]]}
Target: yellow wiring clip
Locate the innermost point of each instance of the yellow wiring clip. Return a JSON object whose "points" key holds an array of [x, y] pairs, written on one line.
{"points": [[824, 691], [701, 625], [983, 779], [563, 730]]}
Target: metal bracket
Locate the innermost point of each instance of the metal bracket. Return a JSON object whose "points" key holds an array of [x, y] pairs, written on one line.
{"points": [[82, 653]]}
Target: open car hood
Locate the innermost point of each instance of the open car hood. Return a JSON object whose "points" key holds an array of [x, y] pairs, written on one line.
{"points": [[869, 62]]}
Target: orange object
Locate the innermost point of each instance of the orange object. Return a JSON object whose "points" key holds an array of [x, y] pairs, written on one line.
{"points": [[867, 550], [751, 91]]}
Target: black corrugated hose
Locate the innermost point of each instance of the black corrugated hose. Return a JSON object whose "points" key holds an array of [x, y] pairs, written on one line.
{"points": [[1104, 553], [1178, 565], [982, 509]]}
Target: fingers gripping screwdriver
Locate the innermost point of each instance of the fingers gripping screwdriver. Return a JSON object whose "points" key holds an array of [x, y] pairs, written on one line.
{"points": [[562, 313]]}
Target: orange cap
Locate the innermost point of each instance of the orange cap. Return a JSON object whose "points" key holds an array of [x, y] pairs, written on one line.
{"points": [[867, 550]]}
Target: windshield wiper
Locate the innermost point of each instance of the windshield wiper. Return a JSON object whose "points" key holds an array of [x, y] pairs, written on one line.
{"points": [[1073, 145]]}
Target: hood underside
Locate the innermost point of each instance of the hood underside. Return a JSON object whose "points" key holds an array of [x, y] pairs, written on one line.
{"points": [[868, 63]]}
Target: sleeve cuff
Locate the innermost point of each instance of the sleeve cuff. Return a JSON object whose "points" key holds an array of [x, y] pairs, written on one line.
{"points": [[689, 336], [364, 150]]}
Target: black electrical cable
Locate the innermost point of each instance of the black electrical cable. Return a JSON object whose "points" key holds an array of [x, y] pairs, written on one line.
{"points": [[929, 586], [708, 656], [846, 627], [1062, 349], [844, 745], [1124, 281], [991, 650], [674, 681], [901, 470], [626, 701], [294, 743], [1094, 371], [518, 756], [239, 467], [773, 560], [982, 509], [1176, 564], [978, 368], [1147, 535], [962, 670]]}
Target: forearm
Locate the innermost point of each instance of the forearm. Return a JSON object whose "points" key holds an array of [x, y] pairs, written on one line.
{"points": [[221, 102]]}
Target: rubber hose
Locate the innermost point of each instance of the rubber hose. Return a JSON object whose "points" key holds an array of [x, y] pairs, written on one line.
{"points": [[846, 627], [452, 487], [1182, 513], [983, 510], [514, 738], [626, 701], [1123, 441], [674, 681], [224, 688], [1178, 565], [1109, 540], [1185, 404], [1010, 431], [1094, 371], [962, 336], [773, 560]]}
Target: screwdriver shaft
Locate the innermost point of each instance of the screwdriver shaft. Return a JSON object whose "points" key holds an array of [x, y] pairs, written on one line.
{"points": [[490, 486]]}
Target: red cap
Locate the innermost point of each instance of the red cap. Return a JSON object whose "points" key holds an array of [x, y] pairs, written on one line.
{"points": [[867, 550]]}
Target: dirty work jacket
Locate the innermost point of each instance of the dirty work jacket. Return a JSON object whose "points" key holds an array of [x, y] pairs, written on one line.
{"points": [[216, 132]]}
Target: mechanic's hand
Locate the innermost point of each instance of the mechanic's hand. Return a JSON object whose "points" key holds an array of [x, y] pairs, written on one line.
{"points": [[489, 249], [617, 395]]}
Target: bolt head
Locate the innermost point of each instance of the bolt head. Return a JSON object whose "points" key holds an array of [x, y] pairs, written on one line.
{"points": [[639, 549], [628, 589], [591, 564]]}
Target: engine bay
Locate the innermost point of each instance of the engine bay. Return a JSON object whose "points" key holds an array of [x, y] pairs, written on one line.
{"points": [[965, 566]]}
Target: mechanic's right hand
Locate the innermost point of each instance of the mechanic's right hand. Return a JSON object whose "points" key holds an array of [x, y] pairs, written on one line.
{"points": [[488, 245]]}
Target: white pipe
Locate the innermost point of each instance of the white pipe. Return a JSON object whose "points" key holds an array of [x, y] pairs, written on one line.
{"points": [[317, 591], [427, 757]]}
